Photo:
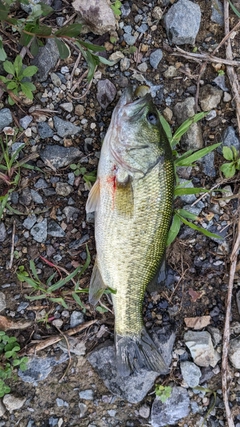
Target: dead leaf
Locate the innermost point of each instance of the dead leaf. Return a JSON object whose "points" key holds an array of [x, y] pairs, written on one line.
{"points": [[195, 295], [7, 324], [197, 322]]}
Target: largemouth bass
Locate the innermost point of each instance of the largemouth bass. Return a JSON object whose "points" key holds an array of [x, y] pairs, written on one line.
{"points": [[132, 199]]}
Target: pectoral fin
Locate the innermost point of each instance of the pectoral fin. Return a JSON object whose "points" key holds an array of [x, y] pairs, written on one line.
{"points": [[97, 286], [93, 197]]}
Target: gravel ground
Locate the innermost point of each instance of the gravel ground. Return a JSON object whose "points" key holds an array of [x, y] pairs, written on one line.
{"points": [[73, 382]]}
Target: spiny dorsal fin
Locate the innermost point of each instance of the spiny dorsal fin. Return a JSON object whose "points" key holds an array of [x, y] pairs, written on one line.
{"points": [[93, 197]]}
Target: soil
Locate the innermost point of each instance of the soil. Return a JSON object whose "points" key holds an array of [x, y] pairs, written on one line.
{"points": [[200, 264]]}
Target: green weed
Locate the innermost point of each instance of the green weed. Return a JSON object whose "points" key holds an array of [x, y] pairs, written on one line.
{"points": [[10, 173], [163, 392], [9, 360], [34, 33], [116, 7], [89, 177], [17, 81], [181, 216], [232, 155], [53, 289]]}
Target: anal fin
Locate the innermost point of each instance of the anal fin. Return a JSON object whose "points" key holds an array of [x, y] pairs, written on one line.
{"points": [[97, 286]]}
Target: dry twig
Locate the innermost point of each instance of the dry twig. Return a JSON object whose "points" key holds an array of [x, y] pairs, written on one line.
{"points": [[53, 340], [12, 247], [205, 57]]}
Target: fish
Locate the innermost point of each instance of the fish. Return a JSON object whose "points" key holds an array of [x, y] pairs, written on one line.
{"points": [[132, 199]]}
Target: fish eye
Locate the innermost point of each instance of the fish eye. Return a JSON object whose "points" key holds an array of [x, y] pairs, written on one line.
{"points": [[152, 118]]}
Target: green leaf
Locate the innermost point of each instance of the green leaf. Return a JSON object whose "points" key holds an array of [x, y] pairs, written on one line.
{"points": [[187, 161], [4, 10], [166, 127], [228, 169], [50, 279], [235, 152], [174, 229], [9, 67], [105, 61], [72, 30], [90, 46], [78, 300], [3, 54], [181, 191], [12, 85], [200, 229], [42, 30], [101, 309], [59, 301], [238, 164], [185, 127], [64, 51], [27, 89], [34, 48], [4, 79], [34, 270], [234, 9], [18, 65], [186, 214], [30, 71], [28, 280], [25, 38], [227, 153]]}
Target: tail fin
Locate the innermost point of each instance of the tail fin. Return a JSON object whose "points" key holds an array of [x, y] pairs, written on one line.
{"points": [[137, 352]]}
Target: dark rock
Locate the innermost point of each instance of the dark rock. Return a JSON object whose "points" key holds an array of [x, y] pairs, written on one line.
{"points": [[46, 59], [217, 12], [44, 130], [3, 232], [155, 58], [58, 156], [39, 231], [39, 368], [54, 229], [106, 92]]}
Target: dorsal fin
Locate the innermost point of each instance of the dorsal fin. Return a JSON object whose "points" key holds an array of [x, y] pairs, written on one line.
{"points": [[93, 197]]}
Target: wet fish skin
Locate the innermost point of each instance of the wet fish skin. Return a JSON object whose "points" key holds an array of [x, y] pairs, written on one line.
{"points": [[132, 198]]}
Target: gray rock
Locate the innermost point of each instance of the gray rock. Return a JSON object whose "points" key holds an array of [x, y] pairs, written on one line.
{"points": [[2, 411], [234, 352], [63, 189], [39, 368], [192, 139], [15, 147], [76, 318], [2, 301], [215, 334], [201, 348], [97, 14], [188, 198], [58, 156], [220, 82], [39, 231], [83, 409], [41, 183], [191, 373], [77, 243], [46, 59], [53, 229], [74, 346], [5, 118], [67, 106], [71, 213], [3, 232], [36, 197], [129, 39], [44, 130], [196, 209], [25, 121], [133, 388], [217, 12], [65, 128], [61, 403], [176, 407], [144, 411], [142, 67], [208, 165], [177, 21], [238, 301], [229, 139], [29, 222], [86, 394], [106, 92], [55, 79], [210, 97], [12, 402], [155, 58]]}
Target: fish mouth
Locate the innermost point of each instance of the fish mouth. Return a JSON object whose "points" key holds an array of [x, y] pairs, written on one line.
{"points": [[130, 106]]}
